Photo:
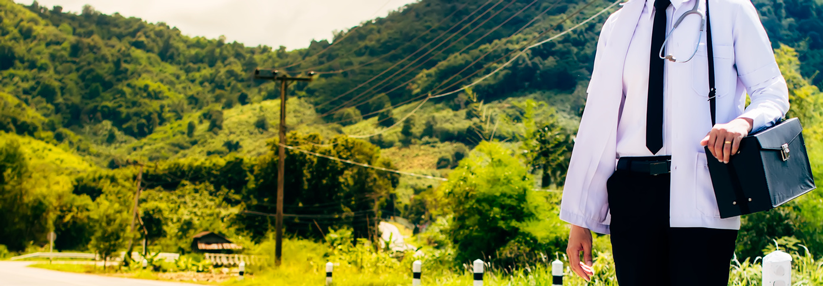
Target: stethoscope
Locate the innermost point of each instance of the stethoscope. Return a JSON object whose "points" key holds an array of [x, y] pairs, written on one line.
{"points": [[694, 10]]}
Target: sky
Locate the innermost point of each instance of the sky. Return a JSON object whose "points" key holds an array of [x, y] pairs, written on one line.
{"points": [[291, 23]]}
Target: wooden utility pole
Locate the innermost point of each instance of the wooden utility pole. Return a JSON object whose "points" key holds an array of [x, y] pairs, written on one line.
{"points": [[285, 80], [134, 211]]}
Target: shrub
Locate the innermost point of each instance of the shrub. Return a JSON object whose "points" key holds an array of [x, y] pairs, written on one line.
{"points": [[4, 252], [444, 162], [460, 152], [347, 116], [261, 123], [490, 195]]}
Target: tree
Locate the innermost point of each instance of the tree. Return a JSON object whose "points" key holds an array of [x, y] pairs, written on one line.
{"points": [[243, 98], [347, 116], [14, 171], [94, 91], [408, 130], [261, 123], [111, 137], [546, 148], [215, 117], [111, 232], [7, 56], [190, 128], [48, 91], [490, 195]]}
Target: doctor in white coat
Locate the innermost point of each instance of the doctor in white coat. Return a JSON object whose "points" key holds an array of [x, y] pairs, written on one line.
{"points": [[638, 170]]}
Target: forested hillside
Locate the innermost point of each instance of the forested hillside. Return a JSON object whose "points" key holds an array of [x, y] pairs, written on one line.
{"points": [[92, 102]]}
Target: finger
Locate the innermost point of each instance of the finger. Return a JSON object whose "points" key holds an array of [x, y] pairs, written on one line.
{"points": [[588, 270], [727, 149], [736, 145], [712, 137], [705, 141], [574, 260], [718, 145], [587, 253]]}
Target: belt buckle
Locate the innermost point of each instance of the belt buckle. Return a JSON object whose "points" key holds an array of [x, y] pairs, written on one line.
{"points": [[658, 168]]}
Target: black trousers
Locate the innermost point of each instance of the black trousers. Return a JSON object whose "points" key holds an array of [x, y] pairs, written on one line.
{"points": [[647, 251]]}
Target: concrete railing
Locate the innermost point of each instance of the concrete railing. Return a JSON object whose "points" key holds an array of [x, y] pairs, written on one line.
{"points": [[56, 255], [232, 259]]}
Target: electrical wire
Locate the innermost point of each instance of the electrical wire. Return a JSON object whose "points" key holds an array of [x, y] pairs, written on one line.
{"points": [[539, 16], [361, 164], [386, 54], [418, 50], [522, 52], [453, 43], [530, 46], [429, 52], [335, 42]]}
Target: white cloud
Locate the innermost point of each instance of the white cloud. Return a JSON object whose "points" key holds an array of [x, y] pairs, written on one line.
{"points": [[292, 23]]}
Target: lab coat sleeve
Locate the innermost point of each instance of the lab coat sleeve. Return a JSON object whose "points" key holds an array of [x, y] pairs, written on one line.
{"points": [[584, 203], [757, 69]]}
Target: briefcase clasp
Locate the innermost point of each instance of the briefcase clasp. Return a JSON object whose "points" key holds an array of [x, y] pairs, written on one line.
{"points": [[784, 152]]}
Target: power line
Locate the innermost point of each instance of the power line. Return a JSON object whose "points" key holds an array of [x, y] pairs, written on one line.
{"points": [[501, 67], [361, 164], [522, 53], [314, 216], [418, 50], [335, 42], [440, 52], [386, 54], [429, 52]]}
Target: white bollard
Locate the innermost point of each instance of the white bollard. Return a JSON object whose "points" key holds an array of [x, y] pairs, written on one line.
{"points": [[417, 268], [145, 264], [329, 269], [557, 273], [777, 269], [478, 272], [242, 270]]}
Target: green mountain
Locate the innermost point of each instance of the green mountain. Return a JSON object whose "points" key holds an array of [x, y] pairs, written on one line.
{"points": [[91, 92], [118, 87]]}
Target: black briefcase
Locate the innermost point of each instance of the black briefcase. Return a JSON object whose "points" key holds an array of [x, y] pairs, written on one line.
{"points": [[771, 168]]}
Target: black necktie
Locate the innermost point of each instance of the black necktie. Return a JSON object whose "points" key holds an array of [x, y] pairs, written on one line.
{"points": [[654, 107]]}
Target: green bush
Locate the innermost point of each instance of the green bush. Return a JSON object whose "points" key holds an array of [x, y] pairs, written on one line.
{"points": [[444, 162], [347, 116], [4, 252], [491, 197]]}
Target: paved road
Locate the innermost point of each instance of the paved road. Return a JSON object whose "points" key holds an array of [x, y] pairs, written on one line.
{"points": [[390, 231], [17, 274]]}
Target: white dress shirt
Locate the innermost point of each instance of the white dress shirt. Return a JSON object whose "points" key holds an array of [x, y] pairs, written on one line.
{"points": [[631, 129], [744, 64]]}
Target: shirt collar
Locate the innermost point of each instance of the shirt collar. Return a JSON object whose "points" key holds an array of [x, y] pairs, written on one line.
{"points": [[675, 3]]}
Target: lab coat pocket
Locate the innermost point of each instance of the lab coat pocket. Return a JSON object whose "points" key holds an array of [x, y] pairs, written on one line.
{"points": [[723, 69], [704, 198]]}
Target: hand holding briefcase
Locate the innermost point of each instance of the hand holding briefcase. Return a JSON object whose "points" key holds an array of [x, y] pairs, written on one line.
{"points": [[770, 169]]}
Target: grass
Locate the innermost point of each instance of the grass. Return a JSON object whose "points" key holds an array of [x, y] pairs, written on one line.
{"points": [[304, 264]]}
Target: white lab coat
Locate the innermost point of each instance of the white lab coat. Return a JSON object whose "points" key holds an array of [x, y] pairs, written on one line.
{"points": [[744, 62]]}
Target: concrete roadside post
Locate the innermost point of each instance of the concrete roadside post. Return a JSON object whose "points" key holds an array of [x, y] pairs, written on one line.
{"points": [[52, 237], [329, 269], [145, 263], [417, 268], [478, 272], [242, 270], [777, 269], [557, 273]]}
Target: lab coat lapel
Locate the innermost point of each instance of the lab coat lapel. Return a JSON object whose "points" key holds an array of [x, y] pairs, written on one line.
{"points": [[606, 93]]}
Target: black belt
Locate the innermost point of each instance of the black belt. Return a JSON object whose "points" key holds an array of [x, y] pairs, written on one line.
{"points": [[646, 165]]}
